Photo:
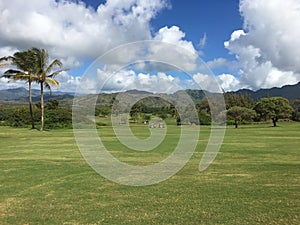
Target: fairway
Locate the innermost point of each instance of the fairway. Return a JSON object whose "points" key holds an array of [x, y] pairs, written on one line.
{"points": [[255, 179]]}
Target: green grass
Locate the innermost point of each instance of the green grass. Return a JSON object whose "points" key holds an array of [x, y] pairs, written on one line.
{"points": [[255, 179]]}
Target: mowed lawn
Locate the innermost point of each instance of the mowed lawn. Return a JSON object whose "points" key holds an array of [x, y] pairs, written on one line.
{"points": [[255, 179]]}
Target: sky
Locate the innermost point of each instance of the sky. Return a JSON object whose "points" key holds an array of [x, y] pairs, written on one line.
{"points": [[244, 44]]}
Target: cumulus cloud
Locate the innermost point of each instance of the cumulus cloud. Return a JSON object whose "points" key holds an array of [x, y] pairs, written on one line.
{"points": [[67, 82], [268, 48], [218, 63], [229, 82], [220, 83], [123, 80], [70, 29], [180, 53], [75, 33], [7, 84]]}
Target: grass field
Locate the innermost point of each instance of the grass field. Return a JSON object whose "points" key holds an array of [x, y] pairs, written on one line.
{"points": [[255, 179]]}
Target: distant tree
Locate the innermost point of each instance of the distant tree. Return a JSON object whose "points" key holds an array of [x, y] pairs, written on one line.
{"points": [[242, 100], [147, 117], [103, 111], [52, 104], [173, 111], [296, 106], [239, 114], [162, 115], [204, 118], [203, 106], [274, 108], [137, 110]]}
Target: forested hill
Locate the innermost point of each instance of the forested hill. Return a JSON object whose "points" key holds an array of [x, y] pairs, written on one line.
{"points": [[291, 92], [21, 95]]}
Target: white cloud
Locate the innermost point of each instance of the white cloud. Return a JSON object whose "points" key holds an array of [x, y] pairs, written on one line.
{"points": [[67, 82], [179, 52], [73, 32], [7, 84], [268, 49], [203, 41], [123, 80], [220, 83], [219, 63], [70, 29], [174, 35], [207, 82], [129, 79], [229, 82]]}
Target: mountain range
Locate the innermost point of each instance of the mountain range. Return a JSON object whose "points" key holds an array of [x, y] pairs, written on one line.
{"points": [[290, 92], [21, 95]]}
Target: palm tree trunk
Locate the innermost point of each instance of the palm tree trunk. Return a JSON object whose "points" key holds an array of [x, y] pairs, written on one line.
{"points": [[42, 105], [30, 104]]}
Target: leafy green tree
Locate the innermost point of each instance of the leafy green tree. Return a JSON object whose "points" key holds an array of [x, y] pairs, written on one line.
{"points": [[274, 108], [239, 114], [204, 118], [103, 111], [296, 105], [60, 117], [137, 110], [203, 106], [242, 100], [52, 104]]}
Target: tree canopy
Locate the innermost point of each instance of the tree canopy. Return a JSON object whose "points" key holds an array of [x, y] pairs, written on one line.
{"points": [[239, 114], [274, 108]]}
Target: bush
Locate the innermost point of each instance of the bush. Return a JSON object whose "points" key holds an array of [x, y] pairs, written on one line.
{"points": [[205, 118], [20, 117], [58, 118]]}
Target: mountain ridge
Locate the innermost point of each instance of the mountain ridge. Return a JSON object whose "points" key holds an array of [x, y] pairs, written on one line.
{"points": [[291, 92]]}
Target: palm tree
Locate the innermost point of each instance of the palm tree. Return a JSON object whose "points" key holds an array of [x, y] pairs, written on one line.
{"points": [[24, 63], [44, 73]]}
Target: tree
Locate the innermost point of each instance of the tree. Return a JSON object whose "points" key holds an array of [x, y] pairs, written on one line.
{"points": [[296, 106], [137, 110], [242, 100], [102, 111], [24, 63], [274, 108], [52, 104], [239, 114], [44, 74]]}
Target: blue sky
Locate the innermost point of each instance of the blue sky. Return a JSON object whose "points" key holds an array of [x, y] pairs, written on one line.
{"points": [[212, 20], [246, 43], [216, 19]]}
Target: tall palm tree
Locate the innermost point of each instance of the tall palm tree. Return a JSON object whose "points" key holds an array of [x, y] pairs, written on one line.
{"points": [[45, 73], [24, 63]]}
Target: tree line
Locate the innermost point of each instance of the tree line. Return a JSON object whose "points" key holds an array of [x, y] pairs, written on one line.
{"points": [[242, 108]]}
